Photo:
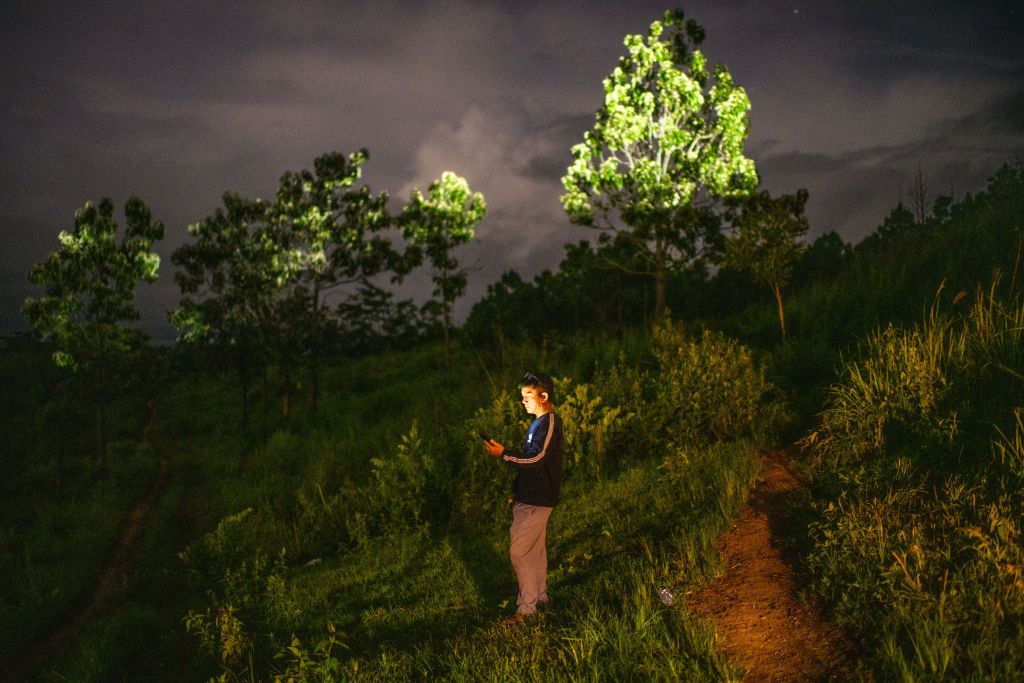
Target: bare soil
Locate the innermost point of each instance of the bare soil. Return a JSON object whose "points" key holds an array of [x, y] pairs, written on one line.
{"points": [[755, 603]]}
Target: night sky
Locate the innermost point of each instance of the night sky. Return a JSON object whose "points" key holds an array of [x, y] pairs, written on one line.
{"points": [[178, 102]]}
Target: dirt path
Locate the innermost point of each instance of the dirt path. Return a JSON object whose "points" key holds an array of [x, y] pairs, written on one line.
{"points": [[755, 604], [104, 584]]}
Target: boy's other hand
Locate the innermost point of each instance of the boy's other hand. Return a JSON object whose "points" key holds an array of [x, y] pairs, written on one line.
{"points": [[494, 448]]}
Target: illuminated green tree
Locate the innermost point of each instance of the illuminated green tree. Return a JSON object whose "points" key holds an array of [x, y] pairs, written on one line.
{"points": [[90, 295], [328, 233], [766, 243], [228, 283], [666, 147], [437, 224]]}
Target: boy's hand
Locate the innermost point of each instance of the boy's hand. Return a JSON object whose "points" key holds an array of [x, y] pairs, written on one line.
{"points": [[494, 448]]}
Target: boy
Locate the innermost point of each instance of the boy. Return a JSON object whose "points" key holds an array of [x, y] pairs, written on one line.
{"points": [[535, 492]]}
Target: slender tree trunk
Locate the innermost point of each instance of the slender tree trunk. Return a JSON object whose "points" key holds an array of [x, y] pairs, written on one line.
{"points": [[243, 381], [244, 386], [266, 403], [314, 366], [314, 383], [101, 437], [286, 396], [659, 280], [447, 345], [659, 290], [782, 318]]}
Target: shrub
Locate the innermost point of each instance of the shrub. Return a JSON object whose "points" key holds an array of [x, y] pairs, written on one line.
{"points": [[918, 539], [591, 426], [707, 390], [400, 483], [481, 485]]}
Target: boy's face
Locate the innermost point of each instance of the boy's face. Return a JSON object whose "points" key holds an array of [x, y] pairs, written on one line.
{"points": [[534, 400]]}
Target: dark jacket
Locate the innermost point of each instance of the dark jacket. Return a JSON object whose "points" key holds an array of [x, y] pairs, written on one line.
{"points": [[540, 462]]}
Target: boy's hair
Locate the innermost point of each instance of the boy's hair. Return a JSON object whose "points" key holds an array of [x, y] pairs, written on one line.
{"points": [[539, 380]]}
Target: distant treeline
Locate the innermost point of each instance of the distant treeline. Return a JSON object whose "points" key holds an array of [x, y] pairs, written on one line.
{"points": [[837, 290]]}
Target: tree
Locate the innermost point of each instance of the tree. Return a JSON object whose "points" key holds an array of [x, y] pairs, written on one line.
{"points": [[228, 283], [766, 242], [371, 320], [823, 260], [325, 230], [438, 223], [666, 147], [919, 197], [899, 222], [90, 293]]}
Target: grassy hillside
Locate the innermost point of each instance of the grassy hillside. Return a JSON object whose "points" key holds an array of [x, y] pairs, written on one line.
{"points": [[368, 540]]}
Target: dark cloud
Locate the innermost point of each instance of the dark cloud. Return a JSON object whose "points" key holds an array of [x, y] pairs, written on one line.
{"points": [[1003, 115], [179, 102]]}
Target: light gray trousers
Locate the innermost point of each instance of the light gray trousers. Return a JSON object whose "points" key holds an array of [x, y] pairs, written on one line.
{"points": [[529, 554]]}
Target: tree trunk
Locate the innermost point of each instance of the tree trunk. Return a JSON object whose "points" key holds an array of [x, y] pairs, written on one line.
{"points": [[782, 319], [314, 383], [245, 402], [286, 397], [447, 346], [660, 277], [659, 290], [101, 437], [314, 368], [265, 433]]}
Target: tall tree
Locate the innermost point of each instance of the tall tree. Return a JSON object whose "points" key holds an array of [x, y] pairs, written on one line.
{"points": [[438, 223], [766, 243], [666, 147], [90, 295], [327, 232], [228, 280]]}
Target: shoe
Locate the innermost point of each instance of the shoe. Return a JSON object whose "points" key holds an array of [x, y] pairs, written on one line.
{"points": [[514, 620]]}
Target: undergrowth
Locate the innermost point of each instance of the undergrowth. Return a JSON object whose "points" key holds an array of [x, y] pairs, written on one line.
{"points": [[404, 574], [919, 472]]}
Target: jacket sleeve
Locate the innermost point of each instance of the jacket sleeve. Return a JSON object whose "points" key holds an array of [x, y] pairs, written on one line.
{"points": [[538, 449]]}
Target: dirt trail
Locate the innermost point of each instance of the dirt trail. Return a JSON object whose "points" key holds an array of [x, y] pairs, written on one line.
{"points": [[104, 584], [763, 621]]}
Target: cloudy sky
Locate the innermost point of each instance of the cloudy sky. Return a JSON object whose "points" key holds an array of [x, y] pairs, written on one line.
{"points": [[178, 102]]}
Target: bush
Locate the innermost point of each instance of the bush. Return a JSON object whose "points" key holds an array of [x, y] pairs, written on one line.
{"points": [[920, 499], [591, 427], [707, 390], [400, 483], [481, 486]]}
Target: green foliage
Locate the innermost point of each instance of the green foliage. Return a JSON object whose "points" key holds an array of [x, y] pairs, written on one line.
{"points": [[917, 473], [90, 283], [895, 279], [90, 294], [410, 595], [438, 224], [668, 138], [58, 525], [482, 485], [228, 283], [592, 429], [255, 282], [302, 665], [707, 390], [766, 242], [401, 482], [920, 495], [370, 320]]}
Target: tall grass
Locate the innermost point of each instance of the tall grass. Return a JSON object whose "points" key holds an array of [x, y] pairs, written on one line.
{"points": [[60, 518], [921, 500]]}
